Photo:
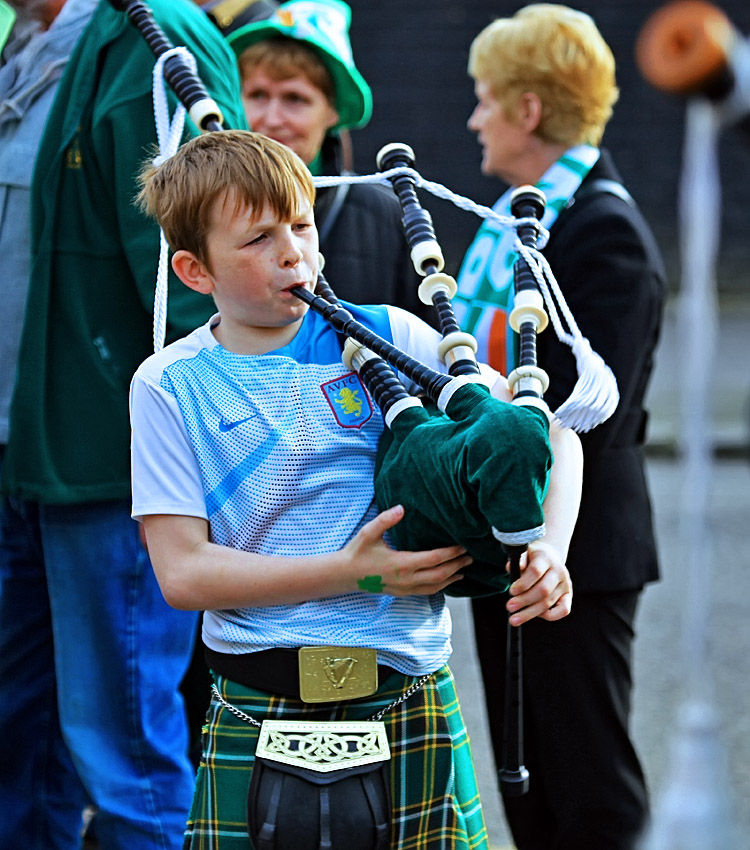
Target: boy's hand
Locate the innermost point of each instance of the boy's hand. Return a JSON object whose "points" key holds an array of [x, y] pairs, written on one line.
{"points": [[379, 569], [544, 588]]}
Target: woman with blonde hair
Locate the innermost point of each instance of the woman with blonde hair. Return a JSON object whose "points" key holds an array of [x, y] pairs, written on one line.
{"points": [[545, 86]]}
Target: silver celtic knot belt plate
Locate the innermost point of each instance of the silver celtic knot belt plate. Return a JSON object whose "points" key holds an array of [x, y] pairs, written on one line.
{"points": [[323, 747]]}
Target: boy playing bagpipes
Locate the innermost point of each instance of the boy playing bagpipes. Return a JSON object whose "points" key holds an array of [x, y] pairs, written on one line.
{"points": [[253, 452]]}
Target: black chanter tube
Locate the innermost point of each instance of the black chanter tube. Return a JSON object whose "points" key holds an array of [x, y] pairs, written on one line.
{"points": [[513, 775]]}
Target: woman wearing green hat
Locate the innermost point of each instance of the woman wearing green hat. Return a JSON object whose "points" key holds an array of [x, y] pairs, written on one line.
{"points": [[300, 86]]}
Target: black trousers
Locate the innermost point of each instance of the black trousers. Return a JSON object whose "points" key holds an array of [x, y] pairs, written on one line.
{"points": [[587, 790]]}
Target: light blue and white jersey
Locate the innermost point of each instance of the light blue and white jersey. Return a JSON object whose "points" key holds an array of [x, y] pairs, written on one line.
{"points": [[277, 452]]}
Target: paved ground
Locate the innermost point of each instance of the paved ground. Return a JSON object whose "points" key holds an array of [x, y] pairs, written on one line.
{"points": [[687, 773]]}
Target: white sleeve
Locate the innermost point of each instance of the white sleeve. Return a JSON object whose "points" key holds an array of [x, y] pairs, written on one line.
{"points": [[419, 340], [165, 475]]}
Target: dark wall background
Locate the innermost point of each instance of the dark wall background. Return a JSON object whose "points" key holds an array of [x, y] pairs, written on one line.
{"points": [[414, 54]]}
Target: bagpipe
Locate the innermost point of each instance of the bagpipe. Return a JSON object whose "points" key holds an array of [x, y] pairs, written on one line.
{"points": [[468, 468], [441, 457]]}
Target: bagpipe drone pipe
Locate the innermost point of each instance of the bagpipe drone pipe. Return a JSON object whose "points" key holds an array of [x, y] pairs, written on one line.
{"points": [[185, 83], [467, 467]]}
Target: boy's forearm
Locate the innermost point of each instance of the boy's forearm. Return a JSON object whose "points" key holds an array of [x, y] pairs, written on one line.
{"points": [[195, 574], [564, 492]]}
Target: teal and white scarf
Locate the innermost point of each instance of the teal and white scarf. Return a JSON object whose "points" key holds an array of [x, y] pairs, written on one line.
{"points": [[485, 282]]}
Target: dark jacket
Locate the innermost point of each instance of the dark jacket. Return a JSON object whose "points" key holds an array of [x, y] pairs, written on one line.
{"points": [[366, 255], [603, 255]]}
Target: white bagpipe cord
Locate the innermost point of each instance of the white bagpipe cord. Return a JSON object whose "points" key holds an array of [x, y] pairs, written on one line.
{"points": [[595, 395], [168, 134]]}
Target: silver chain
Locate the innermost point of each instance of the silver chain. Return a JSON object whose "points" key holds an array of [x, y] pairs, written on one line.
{"points": [[233, 709], [404, 696], [412, 689]]}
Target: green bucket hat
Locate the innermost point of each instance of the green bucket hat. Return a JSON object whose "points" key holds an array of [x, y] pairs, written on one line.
{"points": [[324, 26]]}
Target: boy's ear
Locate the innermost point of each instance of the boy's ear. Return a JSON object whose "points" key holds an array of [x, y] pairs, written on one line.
{"points": [[192, 272]]}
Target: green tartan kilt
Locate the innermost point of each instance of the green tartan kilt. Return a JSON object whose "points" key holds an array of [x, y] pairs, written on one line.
{"points": [[435, 797]]}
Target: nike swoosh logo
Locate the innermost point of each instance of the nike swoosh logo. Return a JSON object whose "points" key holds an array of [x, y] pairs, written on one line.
{"points": [[227, 426]]}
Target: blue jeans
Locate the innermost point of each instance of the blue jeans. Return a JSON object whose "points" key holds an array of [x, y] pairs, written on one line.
{"points": [[91, 658]]}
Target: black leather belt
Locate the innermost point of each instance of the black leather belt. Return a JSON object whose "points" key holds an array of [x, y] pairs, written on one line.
{"points": [[273, 670]]}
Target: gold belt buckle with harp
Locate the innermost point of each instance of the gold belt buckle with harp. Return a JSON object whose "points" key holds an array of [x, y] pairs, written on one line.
{"points": [[334, 673]]}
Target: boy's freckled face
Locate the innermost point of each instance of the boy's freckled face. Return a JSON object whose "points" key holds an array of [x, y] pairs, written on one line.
{"points": [[254, 263]]}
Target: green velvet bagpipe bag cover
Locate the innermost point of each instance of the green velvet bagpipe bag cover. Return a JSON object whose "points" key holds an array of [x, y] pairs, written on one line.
{"points": [[485, 464]]}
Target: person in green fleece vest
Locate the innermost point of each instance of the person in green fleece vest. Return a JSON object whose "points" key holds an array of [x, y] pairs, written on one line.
{"points": [[91, 656]]}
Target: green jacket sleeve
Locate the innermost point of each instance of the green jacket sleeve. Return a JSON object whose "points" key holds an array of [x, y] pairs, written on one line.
{"points": [[127, 138]]}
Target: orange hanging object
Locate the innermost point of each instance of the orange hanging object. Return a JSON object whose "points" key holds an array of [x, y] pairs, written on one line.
{"points": [[685, 46]]}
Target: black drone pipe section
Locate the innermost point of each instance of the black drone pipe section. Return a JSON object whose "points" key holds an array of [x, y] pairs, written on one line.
{"points": [[384, 386], [526, 203], [416, 220], [185, 84], [418, 229], [379, 378]]}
